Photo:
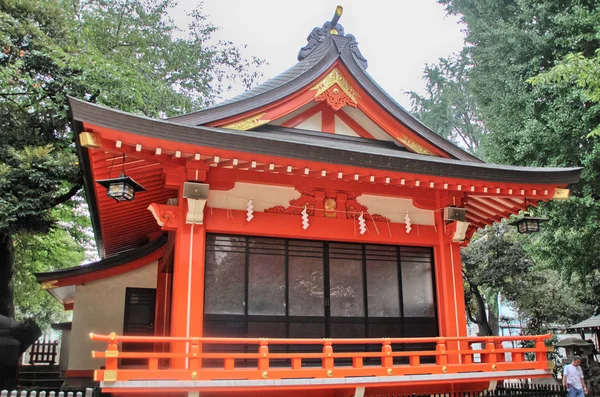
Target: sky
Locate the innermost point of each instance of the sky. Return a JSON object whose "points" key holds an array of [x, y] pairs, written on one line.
{"points": [[398, 37]]}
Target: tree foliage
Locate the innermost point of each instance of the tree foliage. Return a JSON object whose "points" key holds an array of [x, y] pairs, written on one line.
{"points": [[497, 263], [448, 107], [126, 54], [509, 43]]}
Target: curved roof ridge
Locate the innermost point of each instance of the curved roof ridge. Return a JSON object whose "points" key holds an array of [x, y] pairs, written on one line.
{"points": [[285, 83], [395, 109]]}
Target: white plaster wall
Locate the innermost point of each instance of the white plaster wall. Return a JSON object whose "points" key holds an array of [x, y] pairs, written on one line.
{"points": [[395, 209], [342, 128], [100, 308], [263, 196], [313, 123], [367, 124]]}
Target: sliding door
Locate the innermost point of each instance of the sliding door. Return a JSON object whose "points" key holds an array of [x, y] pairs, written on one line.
{"points": [[268, 287]]}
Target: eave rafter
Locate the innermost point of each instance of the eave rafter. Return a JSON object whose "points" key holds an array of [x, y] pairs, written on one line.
{"points": [[482, 191], [486, 202]]}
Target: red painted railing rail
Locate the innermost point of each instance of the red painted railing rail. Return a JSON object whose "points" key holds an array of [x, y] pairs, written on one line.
{"points": [[187, 360]]}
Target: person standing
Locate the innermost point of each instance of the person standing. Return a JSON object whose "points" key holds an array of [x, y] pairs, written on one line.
{"points": [[573, 379]]}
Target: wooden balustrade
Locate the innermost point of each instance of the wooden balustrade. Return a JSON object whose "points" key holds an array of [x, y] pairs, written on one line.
{"points": [[394, 358]]}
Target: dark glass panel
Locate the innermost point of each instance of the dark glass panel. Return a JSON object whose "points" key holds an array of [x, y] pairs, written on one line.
{"points": [[306, 286], [383, 295], [266, 284], [224, 278], [417, 282]]}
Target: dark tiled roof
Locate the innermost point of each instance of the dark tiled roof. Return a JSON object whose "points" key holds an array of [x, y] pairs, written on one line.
{"points": [[333, 149], [306, 71], [592, 322]]}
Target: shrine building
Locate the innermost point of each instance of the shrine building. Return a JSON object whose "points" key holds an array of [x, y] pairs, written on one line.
{"points": [[301, 238]]}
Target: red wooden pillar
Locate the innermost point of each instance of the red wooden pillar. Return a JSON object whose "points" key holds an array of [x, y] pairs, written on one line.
{"points": [[450, 294], [188, 281]]}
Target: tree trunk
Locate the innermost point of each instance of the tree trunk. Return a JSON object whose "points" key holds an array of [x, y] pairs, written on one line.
{"points": [[482, 320], [7, 307]]}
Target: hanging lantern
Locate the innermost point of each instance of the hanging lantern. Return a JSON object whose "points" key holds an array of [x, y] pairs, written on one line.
{"points": [[528, 224], [122, 188]]}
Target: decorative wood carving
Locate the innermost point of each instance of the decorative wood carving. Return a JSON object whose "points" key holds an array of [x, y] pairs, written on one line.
{"points": [[336, 98], [247, 124], [165, 215], [336, 91], [328, 204]]}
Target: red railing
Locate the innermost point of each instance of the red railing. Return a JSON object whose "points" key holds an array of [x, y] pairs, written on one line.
{"points": [[450, 355]]}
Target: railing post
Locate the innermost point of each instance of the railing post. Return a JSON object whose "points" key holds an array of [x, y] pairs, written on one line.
{"points": [[112, 353], [468, 357], [328, 353], [500, 357], [442, 357], [387, 361], [195, 355], [541, 352], [263, 351], [489, 356]]}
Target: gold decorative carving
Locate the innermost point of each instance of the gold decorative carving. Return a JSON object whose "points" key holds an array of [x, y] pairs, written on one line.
{"points": [[49, 284], [89, 139], [560, 194], [248, 124], [414, 146], [329, 205], [110, 376], [111, 354], [335, 77]]}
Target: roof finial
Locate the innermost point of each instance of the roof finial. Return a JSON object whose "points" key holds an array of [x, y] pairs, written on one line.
{"points": [[328, 31], [339, 10]]}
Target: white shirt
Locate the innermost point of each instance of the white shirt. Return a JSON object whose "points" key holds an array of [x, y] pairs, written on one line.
{"points": [[574, 376]]}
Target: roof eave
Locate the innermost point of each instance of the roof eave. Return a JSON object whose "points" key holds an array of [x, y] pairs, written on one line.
{"points": [[395, 161], [104, 264]]}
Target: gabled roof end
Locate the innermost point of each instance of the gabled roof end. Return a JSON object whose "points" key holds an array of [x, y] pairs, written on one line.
{"points": [[331, 28]]}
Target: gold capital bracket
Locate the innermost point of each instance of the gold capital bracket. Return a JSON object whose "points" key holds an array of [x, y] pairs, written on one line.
{"points": [[90, 140], [561, 194]]}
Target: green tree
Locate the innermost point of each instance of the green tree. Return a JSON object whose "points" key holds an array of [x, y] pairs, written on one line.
{"points": [[122, 54], [510, 42], [578, 70], [448, 106], [499, 262]]}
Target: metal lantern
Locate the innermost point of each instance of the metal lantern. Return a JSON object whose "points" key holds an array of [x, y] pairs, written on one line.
{"points": [[122, 188], [528, 224]]}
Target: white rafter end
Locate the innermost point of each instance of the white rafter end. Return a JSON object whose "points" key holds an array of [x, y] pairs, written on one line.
{"points": [[118, 144], [138, 148]]}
